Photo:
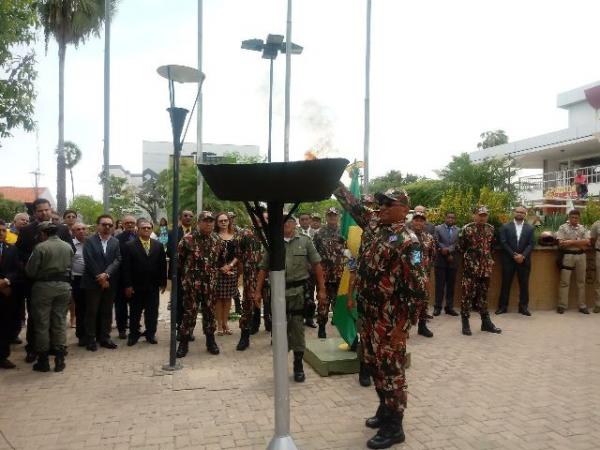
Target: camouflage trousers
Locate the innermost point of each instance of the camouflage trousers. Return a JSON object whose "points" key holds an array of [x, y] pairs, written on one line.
{"points": [[191, 302], [331, 292], [422, 307], [385, 358], [474, 294], [247, 302]]}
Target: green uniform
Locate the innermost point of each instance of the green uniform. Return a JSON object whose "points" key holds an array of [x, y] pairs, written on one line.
{"points": [[299, 250], [574, 260], [50, 268], [595, 234]]}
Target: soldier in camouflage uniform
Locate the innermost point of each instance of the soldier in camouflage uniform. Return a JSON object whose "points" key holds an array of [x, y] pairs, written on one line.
{"points": [[251, 251], [198, 254], [331, 246], [390, 281], [418, 224], [475, 242]]}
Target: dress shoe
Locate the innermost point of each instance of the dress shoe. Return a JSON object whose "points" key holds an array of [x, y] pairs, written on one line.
{"points": [[597, 309], [42, 364], [108, 344], [584, 311], [501, 310], [560, 310], [451, 312], [30, 357], [524, 311], [16, 341], [132, 340], [122, 335], [151, 340], [92, 346], [6, 364], [437, 311], [310, 323]]}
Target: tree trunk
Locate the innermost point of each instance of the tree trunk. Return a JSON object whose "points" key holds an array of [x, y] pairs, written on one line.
{"points": [[61, 175], [72, 185]]}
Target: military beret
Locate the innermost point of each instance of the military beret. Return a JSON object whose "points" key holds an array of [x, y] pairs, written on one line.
{"points": [[333, 210], [206, 215], [395, 195]]}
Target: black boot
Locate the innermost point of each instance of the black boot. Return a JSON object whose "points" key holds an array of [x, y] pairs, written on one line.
{"points": [[244, 341], [255, 322], [299, 376], [268, 324], [423, 330], [466, 328], [238, 303], [377, 419], [364, 377], [31, 356], [211, 344], [488, 325], [42, 364], [322, 334], [389, 433], [59, 361], [183, 347]]}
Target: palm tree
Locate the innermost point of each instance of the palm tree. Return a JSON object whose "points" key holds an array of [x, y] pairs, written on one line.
{"points": [[72, 154], [70, 22]]}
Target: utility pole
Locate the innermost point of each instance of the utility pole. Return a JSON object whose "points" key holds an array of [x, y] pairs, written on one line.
{"points": [[367, 100], [199, 152], [106, 152]]}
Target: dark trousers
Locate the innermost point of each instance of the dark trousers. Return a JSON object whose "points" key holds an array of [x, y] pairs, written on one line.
{"points": [[309, 298], [19, 298], [145, 301], [99, 305], [508, 273], [179, 312], [80, 306], [445, 277], [8, 311], [121, 310], [30, 333]]}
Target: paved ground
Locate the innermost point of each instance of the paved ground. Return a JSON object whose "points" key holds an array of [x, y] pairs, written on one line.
{"points": [[535, 386]]}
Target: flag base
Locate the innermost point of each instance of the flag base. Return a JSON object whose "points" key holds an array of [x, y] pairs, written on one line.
{"points": [[282, 443]]}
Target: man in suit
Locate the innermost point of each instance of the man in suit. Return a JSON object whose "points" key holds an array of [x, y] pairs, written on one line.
{"points": [[121, 301], [144, 273], [516, 238], [446, 237], [9, 277], [27, 240], [102, 260], [79, 231]]}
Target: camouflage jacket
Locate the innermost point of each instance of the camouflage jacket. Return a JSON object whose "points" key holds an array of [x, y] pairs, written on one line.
{"points": [[331, 245], [198, 261], [251, 251], [475, 242], [428, 243]]}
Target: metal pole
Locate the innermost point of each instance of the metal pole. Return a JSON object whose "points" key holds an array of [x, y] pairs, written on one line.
{"points": [[282, 439], [288, 74], [199, 153], [367, 100], [270, 110], [106, 150]]}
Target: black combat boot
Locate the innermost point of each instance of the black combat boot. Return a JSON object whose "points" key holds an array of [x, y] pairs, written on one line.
{"points": [[211, 345], [237, 301], [466, 328], [389, 433], [322, 334], [59, 361], [364, 377], [42, 364], [423, 330], [299, 376], [488, 325], [377, 419], [244, 341], [255, 322], [31, 356], [183, 347]]}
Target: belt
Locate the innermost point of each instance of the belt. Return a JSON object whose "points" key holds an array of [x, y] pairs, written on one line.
{"points": [[63, 278], [293, 284], [574, 252]]}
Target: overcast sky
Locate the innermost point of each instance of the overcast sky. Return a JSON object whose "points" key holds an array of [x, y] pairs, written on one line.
{"points": [[442, 72]]}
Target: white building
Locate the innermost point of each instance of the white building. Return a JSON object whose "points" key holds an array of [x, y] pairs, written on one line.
{"points": [[133, 179], [558, 155]]}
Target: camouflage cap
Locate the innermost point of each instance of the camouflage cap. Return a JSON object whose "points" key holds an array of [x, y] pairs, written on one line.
{"points": [[333, 210], [395, 195], [419, 214], [45, 226], [482, 210], [315, 216], [368, 199], [206, 215]]}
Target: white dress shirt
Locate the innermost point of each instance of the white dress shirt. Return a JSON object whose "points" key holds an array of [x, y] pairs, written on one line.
{"points": [[519, 228]]}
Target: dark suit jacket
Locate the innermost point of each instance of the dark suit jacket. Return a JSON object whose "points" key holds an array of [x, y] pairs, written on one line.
{"points": [[510, 246], [143, 271], [444, 240], [10, 264], [171, 237], [96, 262], [28, 239]]}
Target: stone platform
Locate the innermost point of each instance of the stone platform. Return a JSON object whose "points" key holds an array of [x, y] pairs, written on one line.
{"points": [[330, 357]]}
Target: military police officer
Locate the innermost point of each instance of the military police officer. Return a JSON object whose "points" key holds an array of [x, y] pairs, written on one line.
{"points": [[50, 267], [299, 253]]}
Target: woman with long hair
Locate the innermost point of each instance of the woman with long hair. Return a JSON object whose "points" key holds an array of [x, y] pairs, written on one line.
{"points": [[227, 279]]}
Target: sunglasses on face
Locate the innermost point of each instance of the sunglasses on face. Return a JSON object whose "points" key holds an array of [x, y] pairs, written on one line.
{"points": [[104, 224], [145, 228]]}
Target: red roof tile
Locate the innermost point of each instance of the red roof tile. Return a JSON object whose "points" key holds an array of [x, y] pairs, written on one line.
{"points": [[21, 194]]}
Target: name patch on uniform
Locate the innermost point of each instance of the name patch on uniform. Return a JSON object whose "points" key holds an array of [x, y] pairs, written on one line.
{"points": [[393, 238], [415, 257]]}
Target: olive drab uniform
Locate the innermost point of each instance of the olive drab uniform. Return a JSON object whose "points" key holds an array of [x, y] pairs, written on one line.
{"points": [[428, 243], [475, 242], [331, 245], [390, 281], [595, 234], [299, 253], [573, 260], [198, 258], [251, 251]]}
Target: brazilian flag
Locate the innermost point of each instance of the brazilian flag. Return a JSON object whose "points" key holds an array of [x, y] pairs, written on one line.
{"points": [[345, 319]]}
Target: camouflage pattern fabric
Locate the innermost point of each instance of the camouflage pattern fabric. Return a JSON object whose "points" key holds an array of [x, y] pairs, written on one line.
{"points": [[331, 245], [251, 251], [428, 244]]}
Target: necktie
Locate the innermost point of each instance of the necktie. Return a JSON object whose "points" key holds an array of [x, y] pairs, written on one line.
{"points": [[450, 232], [146, 245]]}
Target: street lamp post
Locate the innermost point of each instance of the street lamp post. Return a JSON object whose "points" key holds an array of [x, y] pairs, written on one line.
{"points": [[270, 49], [180, 74]]}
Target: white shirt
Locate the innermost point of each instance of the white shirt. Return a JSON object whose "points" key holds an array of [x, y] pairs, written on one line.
{"points": [[519, 228], [78, 264], [104, 243]]}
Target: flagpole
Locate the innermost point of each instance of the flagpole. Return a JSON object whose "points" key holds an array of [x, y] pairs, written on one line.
{"points": [[288, 75], [367, 100]]}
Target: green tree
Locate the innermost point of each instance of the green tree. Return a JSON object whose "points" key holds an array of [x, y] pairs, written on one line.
{"points": [[392, 179], [69, 22], [492, 138], [72, 158], [152, 197], [87, 207], [426, 192], [122, 197], [17, 59], [8, 208]]}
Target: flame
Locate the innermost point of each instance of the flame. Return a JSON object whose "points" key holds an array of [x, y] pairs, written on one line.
{"points": [[309, 155]]}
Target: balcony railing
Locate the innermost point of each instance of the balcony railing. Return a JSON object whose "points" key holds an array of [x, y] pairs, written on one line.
{"points": [[559, 183]]}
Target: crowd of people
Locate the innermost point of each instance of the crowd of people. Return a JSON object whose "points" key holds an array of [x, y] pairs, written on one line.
{"points": [[49, 266]]}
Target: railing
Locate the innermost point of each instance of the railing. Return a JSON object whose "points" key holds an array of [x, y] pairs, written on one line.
{"points": [[559, 182]]}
